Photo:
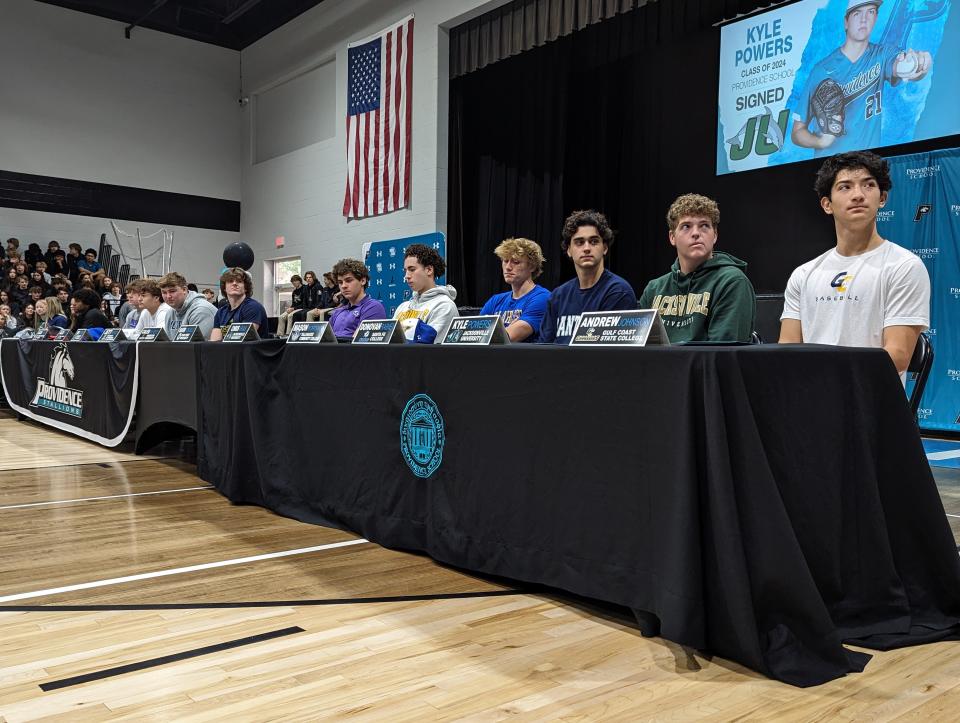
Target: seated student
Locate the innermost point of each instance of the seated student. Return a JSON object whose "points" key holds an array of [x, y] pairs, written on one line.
{"points": [[32, 254], [21, 294], [586, 239], [329, 298], [236, 285], [50, 312], [129, 311], [352, 278], [522, 308], [53, 248], [705, 296], [210, 296], [8, 321], [58, 264], [114, 297], [89, 262], [431, 304], [74, 256], [36, 293], [153, 310], [297, 296], [189, 307], [41, 268], [866, 291], [85, 311]]}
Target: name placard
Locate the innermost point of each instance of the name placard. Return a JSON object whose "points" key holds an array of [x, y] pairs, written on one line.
{"points": [[620, 328], [153, 333], [311, 332], [112, 335], [80, 335], [241, 331], [188, 333], [379, 331], [476, 330], [62, 335]]}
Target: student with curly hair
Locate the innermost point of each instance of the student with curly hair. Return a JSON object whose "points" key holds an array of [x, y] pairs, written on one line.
{"points": [[236, 285], [586, 238], [705, 296], [522, 308], [431, 306]]}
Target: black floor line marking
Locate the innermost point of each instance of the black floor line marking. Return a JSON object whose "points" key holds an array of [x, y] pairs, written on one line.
{"points": [[163, 660], [264, 604]]}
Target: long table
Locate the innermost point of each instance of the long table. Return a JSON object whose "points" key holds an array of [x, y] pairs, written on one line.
{"points": [[766, 504]]}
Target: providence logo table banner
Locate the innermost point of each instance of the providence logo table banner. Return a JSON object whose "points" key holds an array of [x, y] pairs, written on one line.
{"points": [[84, 388]]}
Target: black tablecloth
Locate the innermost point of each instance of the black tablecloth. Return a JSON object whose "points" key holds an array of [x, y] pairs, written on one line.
{"points": [[764, 503], [168, 392]]}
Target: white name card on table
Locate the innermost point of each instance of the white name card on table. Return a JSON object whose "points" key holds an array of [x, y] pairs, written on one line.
{"points": [[242, 331], [311, 332], [112, 335], [80, 335], [476, 331], [379, 331], [153, 333], [637, 328], [188, 333]]}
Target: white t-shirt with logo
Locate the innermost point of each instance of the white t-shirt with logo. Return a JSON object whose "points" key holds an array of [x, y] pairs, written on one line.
{"points": [[850, 300], [148, 320]]}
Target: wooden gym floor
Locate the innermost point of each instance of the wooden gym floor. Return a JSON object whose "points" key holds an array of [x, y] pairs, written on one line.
{"points": [[123, 578]]}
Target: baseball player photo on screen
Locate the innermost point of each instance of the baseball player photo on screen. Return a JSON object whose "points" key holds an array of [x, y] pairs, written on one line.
{"points": [[820, 77]]}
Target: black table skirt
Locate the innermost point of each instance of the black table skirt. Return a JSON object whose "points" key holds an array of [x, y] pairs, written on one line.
{"points": [[763, 503]]}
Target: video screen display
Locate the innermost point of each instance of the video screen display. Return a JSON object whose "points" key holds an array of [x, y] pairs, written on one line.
{"points": [[820, 77]]}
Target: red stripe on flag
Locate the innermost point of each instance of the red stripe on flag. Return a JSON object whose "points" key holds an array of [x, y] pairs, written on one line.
{"points": [[408, 115], [366, 164], [387, 156], [396, 132], [346, 192], [376, 160], [356, 170]]}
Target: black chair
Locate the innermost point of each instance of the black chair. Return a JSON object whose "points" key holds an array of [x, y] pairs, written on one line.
{"points": [[767, 324], [919, 369]]}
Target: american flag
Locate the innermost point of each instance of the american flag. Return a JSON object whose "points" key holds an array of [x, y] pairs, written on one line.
{"points": [[379, 103]]}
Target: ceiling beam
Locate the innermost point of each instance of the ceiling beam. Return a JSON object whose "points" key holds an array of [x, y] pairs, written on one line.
{"points": [[240, 11], [157, 4]]}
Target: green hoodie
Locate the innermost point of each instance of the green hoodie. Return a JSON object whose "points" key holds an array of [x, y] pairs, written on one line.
{"points": [[715, 302]]}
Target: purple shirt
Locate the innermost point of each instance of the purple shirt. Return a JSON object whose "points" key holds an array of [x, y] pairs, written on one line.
{"points": [[344, 320]]}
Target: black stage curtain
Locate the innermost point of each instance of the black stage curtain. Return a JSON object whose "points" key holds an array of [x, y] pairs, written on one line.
{"points": [[620, 116], [677, 486]]}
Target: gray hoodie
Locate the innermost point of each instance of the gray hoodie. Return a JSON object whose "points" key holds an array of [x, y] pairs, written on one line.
{"points": [[434, 307], [195, 310]]}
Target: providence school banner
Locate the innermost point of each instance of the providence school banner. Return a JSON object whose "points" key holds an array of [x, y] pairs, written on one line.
{"points": [[85, 388], [923, 215], [385, 261], [819, 77]]}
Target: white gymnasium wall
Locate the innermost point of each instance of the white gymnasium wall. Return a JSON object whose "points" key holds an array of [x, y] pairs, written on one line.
{"points": [[80, 101], [299, 195]]}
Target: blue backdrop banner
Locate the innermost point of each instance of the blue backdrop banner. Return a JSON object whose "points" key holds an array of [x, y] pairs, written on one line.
{"points": [[385, 261], [923, 215]]}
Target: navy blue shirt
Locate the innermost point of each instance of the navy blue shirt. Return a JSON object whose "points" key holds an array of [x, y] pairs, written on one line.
{"points": [[249, 310], [568, 301]]}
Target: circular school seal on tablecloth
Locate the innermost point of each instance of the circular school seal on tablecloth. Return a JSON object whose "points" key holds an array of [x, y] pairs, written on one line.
{"points": [[422, 435]]}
